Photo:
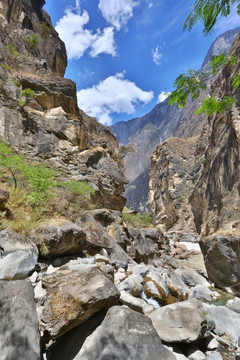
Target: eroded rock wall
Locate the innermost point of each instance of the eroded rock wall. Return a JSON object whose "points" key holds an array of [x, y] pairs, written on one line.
{"points": [[50, 126]]}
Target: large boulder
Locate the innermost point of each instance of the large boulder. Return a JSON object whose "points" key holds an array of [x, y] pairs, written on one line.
{"points": [[74, 296], [221, 257], [226, 321], [186, 321], [97, 238], [54, 241], [19, 334], [124, 335], [18, 256]]}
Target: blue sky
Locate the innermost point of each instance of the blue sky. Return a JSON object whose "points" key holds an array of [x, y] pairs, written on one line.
{"points": [[124, 54]]}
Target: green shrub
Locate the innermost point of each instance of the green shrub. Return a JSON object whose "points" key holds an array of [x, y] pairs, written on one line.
{"points": [[5, 67], [79, 187], [126, 149], [25, 95], [205, 161], [32, 40], [137, 220], [12, 51], [37, 192], [46, 30]]}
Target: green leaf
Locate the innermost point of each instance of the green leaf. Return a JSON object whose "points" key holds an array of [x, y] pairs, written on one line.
{"points": [[211, 105], [208, 11], [189, 83], [236, 81]]}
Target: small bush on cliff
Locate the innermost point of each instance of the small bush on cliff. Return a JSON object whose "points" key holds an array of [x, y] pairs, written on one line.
{"points": [[32, 40], [5, 67], [25, 95], [12, 51], [45, 30]]}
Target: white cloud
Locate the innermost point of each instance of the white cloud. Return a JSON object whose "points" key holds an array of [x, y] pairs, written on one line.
{"points": [[157, 56], [78, 40], [163, 96], [114, 94], [117, 12]]}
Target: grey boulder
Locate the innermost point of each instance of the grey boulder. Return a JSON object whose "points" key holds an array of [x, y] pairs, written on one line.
{"points": [[185, 321], [54, 241], [19, 334], [124, 335], [226, 321], [18, 256], [74, 296]]}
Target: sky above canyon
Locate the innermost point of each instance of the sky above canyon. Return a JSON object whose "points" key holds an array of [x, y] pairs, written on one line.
{"points": [[124, 55]]}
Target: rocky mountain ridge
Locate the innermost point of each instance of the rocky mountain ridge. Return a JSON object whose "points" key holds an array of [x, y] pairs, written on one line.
{"points": [[164, 121]]}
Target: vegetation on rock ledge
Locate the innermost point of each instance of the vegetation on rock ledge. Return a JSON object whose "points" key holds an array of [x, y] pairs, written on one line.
{"points": [[36, 191]]}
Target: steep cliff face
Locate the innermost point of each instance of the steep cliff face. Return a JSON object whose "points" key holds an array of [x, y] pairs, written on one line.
{"points": [[164, 121], [176, 166], [216, 200], [47, 123], [172, 176]]}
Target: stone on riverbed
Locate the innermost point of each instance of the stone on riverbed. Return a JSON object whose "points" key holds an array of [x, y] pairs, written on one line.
{"points": [[124, 335], [185, 321]]}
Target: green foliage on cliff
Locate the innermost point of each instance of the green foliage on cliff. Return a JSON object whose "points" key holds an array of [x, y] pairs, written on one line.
{"points": [[126, 149], [45, 30], [12, 51], [25, 95], [32, 40], [211, 105], [36, 190], [36, 179]]}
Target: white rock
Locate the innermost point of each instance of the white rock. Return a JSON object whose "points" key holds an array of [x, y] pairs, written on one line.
{"points": [[51, 270], [39, 292], [180, 356], [234, 304], [33, 277], [213, 344], [213, 355]]}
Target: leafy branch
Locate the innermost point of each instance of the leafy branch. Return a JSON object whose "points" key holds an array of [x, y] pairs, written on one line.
{"points": [[207, 11], [192, 82], [189, 83], [212, 104]]}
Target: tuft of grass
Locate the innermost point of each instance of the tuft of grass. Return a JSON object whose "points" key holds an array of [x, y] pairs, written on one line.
{"points": [[24, 217]]}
